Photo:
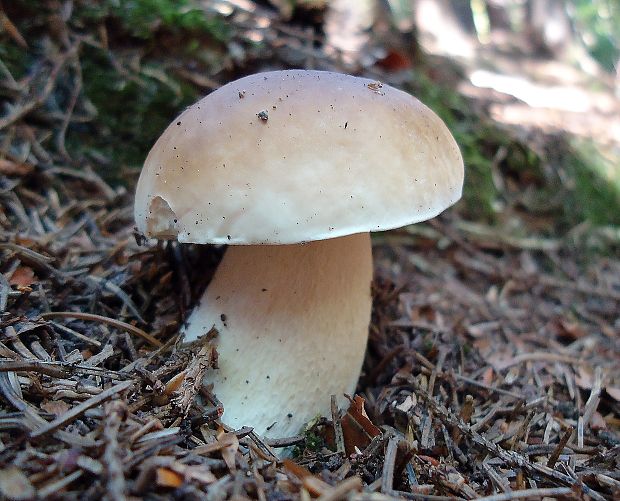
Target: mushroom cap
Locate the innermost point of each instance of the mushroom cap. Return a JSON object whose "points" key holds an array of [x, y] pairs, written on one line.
{"points": [[294, 156]]}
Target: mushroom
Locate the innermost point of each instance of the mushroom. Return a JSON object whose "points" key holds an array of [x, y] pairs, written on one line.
{"points": [[293, 169]]}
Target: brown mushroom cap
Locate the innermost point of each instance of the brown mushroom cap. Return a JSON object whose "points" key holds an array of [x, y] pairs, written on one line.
{"points": [[293, 156]]}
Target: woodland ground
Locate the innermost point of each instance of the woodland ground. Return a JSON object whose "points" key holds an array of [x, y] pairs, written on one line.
{"points": [[493, 366]]}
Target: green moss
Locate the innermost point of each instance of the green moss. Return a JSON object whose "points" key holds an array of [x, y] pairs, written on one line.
{"points": [[142, 18], [479, 192], [572, 183], [479, 141], [131, 92], [133, 110], [593, 194], [313, 442]]}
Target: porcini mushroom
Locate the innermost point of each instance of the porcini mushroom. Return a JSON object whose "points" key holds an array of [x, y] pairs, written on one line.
{"points": [[293, 169]]}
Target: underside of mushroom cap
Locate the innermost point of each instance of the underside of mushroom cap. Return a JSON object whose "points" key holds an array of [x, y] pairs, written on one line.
{"points": [[293, 156]]}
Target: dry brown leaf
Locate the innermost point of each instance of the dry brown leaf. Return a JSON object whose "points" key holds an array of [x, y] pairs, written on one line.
{"points": [[354, 435], [299, 471], [568, 329], [394, 60], [15, 485], [165, 477], [25, 241], [357, 412], [175, 383], [402, 373], [485, 346], [425, 313], [315, 486], [487, 376], [23, 277], [56, 407], [200, 474], [86, 354], [228, 446], [9, 168], [357, 429], [429, 459], [612, 421]]}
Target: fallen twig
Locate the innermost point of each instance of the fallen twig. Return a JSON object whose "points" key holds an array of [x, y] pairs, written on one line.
{"points": [[511, 458], [527, 493], [110, 321], [115, 478], [80, 409]]}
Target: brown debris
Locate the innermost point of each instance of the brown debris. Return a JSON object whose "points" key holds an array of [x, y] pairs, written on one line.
{"points": [[492, 369], [115, 413], [358, 431]]}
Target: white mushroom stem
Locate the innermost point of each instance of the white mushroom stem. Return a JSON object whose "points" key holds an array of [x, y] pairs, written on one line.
{"points": [[293, 325]]}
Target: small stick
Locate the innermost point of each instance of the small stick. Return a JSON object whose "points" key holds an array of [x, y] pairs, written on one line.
{"points": [[594, 398], [510, 457], [277, 443], [115, 486], [342, 489], [263, 447], [522, 431], [193, 380], [473, 382], [27, 254], [54, 488], [80, 409], [499, 482], [582, 288], [535, 493], [55, 369], [399, 495], [541, 356], [387, 477], [339, 436], [437, 369], [580, 431], [608, 481], [110, 321], [76, 334], [560, 447], [488, 416], [466, 413], [120, 293], [23, 110]]}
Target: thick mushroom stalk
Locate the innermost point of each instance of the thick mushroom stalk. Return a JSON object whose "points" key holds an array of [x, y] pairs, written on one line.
{"points": [[293, 325]]}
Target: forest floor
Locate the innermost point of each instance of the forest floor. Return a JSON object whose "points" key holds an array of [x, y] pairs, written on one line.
{"points": [[493, 365]]}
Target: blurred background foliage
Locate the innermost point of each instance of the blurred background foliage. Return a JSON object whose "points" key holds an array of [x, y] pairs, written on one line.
{"points": [[142, 18], [598, 22], [130, 66]]}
